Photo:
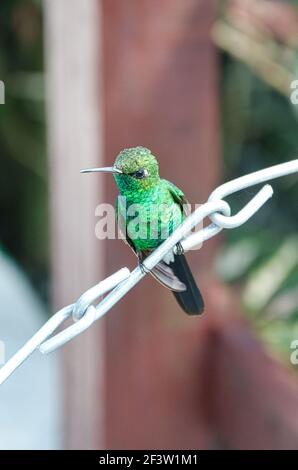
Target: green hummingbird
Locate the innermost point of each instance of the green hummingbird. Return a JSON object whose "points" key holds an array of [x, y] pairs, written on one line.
{"points": [[161, 207]]}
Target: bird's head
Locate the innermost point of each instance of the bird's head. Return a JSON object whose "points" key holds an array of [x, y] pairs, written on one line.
{"points": [[135, 169]]}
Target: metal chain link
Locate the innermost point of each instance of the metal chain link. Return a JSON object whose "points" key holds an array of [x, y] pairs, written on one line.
{"points": [[84, 313]]}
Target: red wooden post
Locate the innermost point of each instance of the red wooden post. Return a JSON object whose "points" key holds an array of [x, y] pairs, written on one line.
{"points": [[159, 72], [160, 92]]}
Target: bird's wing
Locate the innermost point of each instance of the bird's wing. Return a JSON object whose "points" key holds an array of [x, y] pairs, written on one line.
{"points": [[161, 272], [179, 197], [190, 299]]}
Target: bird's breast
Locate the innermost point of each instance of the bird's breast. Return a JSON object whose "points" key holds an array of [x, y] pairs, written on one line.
{"points": [[150, 220]]}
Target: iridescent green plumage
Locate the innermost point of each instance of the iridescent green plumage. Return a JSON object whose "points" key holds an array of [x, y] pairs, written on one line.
{"points": [[159, 201], [149, 209], [159, 208]]}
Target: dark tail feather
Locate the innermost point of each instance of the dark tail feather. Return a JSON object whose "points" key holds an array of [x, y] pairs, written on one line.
{"points": [[190, 300]]}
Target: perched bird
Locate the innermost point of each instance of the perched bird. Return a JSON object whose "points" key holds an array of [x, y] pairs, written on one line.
{"points": [[160, 206]]}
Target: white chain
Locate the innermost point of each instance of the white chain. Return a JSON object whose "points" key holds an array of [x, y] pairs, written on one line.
{"points": [[119, 283]]}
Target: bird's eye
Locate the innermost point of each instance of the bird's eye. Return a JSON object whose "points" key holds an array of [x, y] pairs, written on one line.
{"points": [[141, 173]]}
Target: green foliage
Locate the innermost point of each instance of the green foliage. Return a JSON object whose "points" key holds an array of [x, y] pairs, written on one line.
{"points": [[23, 178], [260, 129]]}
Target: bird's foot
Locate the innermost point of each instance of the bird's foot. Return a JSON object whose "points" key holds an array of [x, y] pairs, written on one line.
{"points": [[141, 264], [179, 249], [143, 268]]}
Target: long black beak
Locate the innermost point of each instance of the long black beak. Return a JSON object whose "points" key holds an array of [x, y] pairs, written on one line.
{"points": [[107, 169]]}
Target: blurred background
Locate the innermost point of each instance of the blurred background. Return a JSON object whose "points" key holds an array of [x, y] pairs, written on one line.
{"points": [[207, 86]]}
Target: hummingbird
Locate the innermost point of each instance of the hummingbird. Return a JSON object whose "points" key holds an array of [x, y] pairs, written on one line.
{"points": [[136, 173]]}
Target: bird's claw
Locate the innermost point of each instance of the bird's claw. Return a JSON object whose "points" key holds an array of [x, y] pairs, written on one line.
{"points": [[143, 268], [179, 249]]}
